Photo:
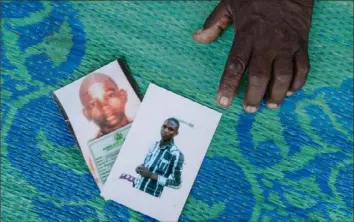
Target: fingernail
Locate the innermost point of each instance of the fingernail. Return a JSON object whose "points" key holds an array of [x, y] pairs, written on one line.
{"points": [[272, 105], [250, 109], [224, 101], [289, 93], [199, 31]]}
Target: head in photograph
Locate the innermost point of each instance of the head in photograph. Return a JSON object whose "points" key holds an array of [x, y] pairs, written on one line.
{"points": [[169, 129], [103, 102]]}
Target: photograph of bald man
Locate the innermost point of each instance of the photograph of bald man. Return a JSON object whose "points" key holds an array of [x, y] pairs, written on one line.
{"points": [[103, 103]]}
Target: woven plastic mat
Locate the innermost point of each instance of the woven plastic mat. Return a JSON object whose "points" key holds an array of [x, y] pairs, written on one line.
{"points": [[291, 164]]}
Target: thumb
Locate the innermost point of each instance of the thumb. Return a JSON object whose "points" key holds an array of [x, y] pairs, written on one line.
{"points": [[217, 21]]}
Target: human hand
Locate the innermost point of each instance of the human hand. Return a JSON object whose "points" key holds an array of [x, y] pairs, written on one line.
{"points": [[271, 39], [143, 171]]}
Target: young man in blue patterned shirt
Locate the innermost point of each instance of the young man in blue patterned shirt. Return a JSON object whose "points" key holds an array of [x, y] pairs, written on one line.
{"points": [[163, 164]]}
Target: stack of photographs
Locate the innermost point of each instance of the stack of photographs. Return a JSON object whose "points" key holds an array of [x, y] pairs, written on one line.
{"points": [[143, 153]]}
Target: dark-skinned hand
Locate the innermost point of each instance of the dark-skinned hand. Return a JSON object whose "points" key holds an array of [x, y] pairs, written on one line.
{"points": [[271, 40], [143, 171]]}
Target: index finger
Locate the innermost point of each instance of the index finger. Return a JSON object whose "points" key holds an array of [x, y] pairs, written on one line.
{"points": [[234, 69]]}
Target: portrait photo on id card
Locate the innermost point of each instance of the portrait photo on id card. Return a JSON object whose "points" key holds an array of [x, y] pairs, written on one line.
{"points": [[161, 156]]}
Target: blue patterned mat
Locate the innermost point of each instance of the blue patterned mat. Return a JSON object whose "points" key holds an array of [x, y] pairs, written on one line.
{"points": [[292, 164]]}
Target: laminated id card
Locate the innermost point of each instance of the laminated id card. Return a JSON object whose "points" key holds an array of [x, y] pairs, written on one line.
{"points": [[99, 109]]}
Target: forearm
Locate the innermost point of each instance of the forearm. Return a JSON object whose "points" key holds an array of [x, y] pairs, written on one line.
{"points": [[163, 181], [174, 180], [154, 176]]}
